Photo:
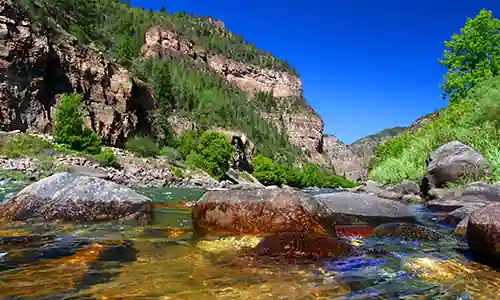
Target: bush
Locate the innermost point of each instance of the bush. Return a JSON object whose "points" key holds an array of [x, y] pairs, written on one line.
{"points": [[187, 143], [69, 128], [474, 122], [144, 146], [267, 172], [212, 154], [271, 173], [107, 158]]}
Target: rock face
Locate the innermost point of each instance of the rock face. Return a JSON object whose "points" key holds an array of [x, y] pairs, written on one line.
{"points": [[344, 159], [69, 197], [162, 43], [483, 232], [38, 68], [256, 211], [303, 126], [454, 160]]}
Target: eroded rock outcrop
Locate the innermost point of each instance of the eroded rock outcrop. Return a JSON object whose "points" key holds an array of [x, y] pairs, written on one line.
{"points": [[37, 68]]}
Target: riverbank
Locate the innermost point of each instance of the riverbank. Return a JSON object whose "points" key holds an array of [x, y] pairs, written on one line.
{"points": [[35, 156]]}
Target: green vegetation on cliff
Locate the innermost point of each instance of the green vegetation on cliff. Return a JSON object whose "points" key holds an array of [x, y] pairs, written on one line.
{"points": [[181, 87], [472, 59], [114, 25]]}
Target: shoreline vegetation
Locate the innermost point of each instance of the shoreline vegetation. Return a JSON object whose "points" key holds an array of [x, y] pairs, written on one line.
{"points": [[472, 86]]}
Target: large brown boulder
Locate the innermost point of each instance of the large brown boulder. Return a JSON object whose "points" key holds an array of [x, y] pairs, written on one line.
{"points": [[453, 161], [483, 232], [69, 197], [255, 211]]}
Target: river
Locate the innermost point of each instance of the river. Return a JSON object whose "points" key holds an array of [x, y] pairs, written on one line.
{"points": [[111, 261]]}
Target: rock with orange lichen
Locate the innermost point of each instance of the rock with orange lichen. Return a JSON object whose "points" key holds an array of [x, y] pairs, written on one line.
{"points": [[300, 246], [256, 212]]}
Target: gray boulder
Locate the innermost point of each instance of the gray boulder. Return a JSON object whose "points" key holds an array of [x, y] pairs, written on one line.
{"points": [[348, 208], [71, 197], [454, 160]]}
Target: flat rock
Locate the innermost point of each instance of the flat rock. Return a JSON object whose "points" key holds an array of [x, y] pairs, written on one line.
{"points": [[449, 205], [70, 197], [256, 212], [346, 208]]}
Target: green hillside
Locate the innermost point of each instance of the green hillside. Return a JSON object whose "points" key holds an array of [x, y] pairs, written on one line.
{"points": [[118, 30], [472, 84]]}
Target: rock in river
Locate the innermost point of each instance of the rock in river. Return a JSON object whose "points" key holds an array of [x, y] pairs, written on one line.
{"points": [[302, 246], [483, 232], [256, 211], [69, 197], [346, 208]]}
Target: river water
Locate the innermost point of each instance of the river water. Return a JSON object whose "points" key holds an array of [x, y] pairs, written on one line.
{"points": [[110, 261]]}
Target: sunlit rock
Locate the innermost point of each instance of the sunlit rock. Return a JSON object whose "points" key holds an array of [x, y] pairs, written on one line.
{"points": [[257, 211]]}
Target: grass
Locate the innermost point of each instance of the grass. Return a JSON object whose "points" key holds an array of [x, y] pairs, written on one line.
{"points": [[474, 122]]}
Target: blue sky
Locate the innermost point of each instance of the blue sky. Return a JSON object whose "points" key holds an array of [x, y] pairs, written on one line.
{"points": [[365, 65]]}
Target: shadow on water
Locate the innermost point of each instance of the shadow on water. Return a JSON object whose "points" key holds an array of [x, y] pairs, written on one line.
{"points": [[124, 261]]}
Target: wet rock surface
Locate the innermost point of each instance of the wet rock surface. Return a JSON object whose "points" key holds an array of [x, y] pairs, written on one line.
{"points": [[483, 232], [70, 197], [407, 231], [300, 246], [256, 211]]}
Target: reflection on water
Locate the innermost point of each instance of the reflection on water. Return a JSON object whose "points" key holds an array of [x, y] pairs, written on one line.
{"points": [[110, 261]]}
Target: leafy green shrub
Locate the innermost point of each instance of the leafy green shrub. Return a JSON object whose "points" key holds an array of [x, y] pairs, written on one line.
{"points": [[266, 171], [69, 128], [212, 154], [19, 145], [144, 146], [473, 122], [187, 143], [107, 158]]}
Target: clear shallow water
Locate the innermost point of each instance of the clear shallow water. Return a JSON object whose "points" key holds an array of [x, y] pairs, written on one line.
{"points": [[109, 261]]}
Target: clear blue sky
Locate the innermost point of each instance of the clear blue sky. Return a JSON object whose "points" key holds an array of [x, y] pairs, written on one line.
{"points": [[365, 65]]}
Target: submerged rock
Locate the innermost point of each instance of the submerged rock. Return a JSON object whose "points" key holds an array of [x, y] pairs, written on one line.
{"points": [[344, 208], [258, 211], [407, 231], [303, 246], [69, 197]]}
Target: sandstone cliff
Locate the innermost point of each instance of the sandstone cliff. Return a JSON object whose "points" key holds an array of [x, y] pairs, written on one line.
{"points": [[303, 126], [37, 67]]}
